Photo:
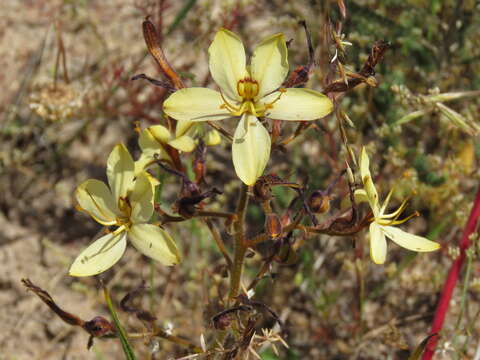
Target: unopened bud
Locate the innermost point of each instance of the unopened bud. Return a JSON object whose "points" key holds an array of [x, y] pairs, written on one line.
{"points": [[319, 202], [212, 138], [351, 178], [273, 225]]}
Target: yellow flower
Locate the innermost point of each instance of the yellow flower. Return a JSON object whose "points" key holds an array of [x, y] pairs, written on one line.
{"points": [[381, 225], [248, 93], [128, 204]]}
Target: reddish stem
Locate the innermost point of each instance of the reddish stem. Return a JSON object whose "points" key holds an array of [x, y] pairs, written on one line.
{"points": [[452, 278]]}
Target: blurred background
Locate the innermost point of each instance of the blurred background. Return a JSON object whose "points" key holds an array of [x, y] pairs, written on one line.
{"points": [[67, 98]]}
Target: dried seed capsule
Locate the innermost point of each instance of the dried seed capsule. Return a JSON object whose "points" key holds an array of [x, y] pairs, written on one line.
{"points": [[319, 202], [273, 225]]}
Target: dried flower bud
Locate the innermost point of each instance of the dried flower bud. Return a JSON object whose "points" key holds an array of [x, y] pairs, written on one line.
{"points": [[261, 190], [185, 208], [319, 202], [98, 326], [273, 225], [222, 322], [276, 128]]}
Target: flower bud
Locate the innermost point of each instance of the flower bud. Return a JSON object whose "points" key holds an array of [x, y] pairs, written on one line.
{"points": [[212, 138]]}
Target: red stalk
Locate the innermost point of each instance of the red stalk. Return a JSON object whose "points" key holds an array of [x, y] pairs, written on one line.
{"points": [[452, 278]]}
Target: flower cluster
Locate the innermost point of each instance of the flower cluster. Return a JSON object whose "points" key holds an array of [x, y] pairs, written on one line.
{"points": [[252, 94]]}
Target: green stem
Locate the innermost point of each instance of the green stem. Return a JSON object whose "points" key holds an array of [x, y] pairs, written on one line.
{"points": [[240, 244]]}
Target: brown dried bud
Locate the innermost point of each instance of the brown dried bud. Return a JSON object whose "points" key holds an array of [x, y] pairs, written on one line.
{"points": [[185, 208], [261, 190], [98, 326], [276, 128], [273, 225], [222, 321], [319, 202]]}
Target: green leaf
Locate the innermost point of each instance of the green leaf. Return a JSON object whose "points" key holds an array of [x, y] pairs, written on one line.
{"points": [[127, 349]]}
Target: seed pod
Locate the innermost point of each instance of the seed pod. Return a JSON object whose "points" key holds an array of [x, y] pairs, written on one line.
{"points": [[185, 208], [319, 202], [261, 190], [273, 225]]}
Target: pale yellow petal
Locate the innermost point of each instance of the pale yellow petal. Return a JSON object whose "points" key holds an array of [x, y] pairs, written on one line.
{"points": [[100, 256], [364, 164], [183, 143], [182, 127], [120, 171], [145, 160], [368, 182], [270, 64], [250, 149], [378, 244], [152, 143], [155, 243], [95, 198], [297, 105], [141, 199], [227, 62], [196, 104], [153, 136], [410, 241]]}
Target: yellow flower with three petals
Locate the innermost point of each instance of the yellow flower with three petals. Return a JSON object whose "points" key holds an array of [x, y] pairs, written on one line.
{"points": [[249, 93], [127, 204], [382, 224]]}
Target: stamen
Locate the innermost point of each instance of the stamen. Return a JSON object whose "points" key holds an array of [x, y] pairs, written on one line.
{"points": [[398, 222], [387, 200], [228, 106], [264, 107]]}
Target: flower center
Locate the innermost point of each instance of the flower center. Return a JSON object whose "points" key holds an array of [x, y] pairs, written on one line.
{"points": [[126, 210], [248, 90]]}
